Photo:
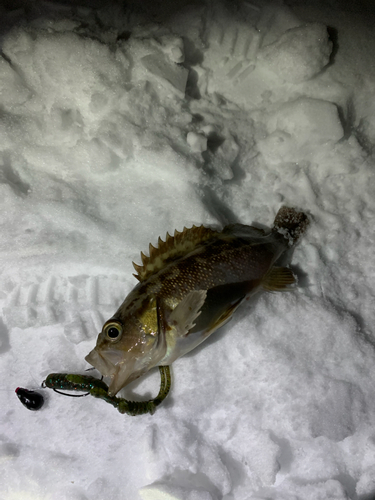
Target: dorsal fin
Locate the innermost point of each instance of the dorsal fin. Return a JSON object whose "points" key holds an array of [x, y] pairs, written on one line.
{"points": [[173, 248]]}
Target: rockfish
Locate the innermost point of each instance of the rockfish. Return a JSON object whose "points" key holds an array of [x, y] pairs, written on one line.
{"points": [[189, 286]]}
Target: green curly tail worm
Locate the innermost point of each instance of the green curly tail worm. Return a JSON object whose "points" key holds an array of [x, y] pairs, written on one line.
{"points": [[138, 407], [99, 389], [73, 382]]}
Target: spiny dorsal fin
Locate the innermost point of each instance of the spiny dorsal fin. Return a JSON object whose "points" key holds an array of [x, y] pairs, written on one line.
{"points": [[174, 247]]}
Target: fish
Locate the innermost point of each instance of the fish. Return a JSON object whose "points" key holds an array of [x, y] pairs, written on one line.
{"points": [[190, 285]]}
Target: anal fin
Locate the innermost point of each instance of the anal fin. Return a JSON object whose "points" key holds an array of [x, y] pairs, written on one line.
{"points": [[278, 279], [225, 316]]}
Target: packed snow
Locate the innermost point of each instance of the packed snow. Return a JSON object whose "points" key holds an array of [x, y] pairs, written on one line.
{"points": [[121, 122]]}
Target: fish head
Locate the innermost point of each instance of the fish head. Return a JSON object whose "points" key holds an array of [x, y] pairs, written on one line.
{"points": [[129, 345]]}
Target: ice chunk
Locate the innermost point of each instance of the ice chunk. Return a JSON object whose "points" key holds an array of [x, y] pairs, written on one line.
{"points": [[173, 47], [300, 53], [197, 142], [169, 74], [308, 120], [298, 127]]}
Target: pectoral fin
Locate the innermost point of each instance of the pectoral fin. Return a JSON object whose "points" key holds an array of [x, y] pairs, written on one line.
{"points": [[183, 316], [278, 279], [198, 315]]}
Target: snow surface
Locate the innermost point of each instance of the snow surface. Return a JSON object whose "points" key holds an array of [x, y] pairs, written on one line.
{"points": [[119, 124]]}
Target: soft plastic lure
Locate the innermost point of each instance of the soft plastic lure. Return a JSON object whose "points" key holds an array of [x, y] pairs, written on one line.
{"points": [[99, 389]]}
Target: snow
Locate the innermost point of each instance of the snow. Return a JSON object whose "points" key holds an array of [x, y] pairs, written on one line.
{"points": [[120, 124], [300, 53]]}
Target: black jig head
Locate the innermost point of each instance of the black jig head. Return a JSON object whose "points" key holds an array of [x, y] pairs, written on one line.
{"points": [[32, 400]]}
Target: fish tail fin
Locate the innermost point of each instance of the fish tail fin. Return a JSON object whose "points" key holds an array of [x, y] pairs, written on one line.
{"points": [[279, 279], [290, 223]]}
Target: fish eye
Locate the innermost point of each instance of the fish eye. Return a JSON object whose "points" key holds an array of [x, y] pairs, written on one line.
{"points": [[113, 330]]}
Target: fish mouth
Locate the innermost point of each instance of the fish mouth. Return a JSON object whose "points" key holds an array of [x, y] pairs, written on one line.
{"points": [[104, 362], [123, 376], [111, 363]]}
